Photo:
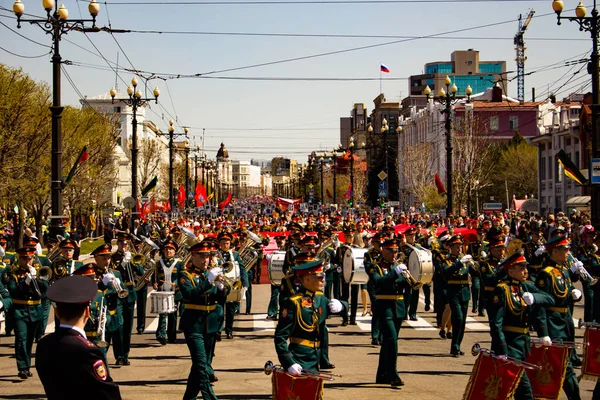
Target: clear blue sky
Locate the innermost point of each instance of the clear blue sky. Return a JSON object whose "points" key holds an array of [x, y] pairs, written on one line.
{"points": [[261, 119]]}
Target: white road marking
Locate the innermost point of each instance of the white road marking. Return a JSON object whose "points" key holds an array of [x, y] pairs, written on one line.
{"points": [[474, 325], [261, 323], [421, 325]]}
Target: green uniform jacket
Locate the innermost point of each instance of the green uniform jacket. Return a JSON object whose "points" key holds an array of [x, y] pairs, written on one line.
{"points": [[302, 322], [114, 312], [456, 275], [534, 263], [491, 274], [333, 263], [389, 288], [590, 259], [61, 268], [117, 262], [5, 298], [26, 301], [555, 280], [509, 317], [202, 312]]}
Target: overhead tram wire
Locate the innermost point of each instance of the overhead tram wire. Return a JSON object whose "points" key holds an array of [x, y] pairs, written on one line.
{"points": [[24, 56], [308, 2]]}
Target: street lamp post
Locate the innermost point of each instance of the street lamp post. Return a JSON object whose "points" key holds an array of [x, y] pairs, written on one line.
{"points": [[186, 150], [172, 135], [448, 97], [591, 25], [322, 195], [134, 101], [56, 24]]}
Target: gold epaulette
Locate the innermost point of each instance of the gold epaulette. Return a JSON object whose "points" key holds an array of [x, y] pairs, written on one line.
{"points": [[296, 296]]}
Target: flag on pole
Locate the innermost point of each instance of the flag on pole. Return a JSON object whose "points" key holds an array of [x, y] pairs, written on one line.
{"points": [[150, 186], [82, 157], [385, 69], [200, 195], [224, 203], [348, 193], [570, 168], [439, 185], [181, 196]]}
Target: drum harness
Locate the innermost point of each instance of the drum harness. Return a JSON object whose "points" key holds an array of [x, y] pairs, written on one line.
{"points": [[168, 271]]}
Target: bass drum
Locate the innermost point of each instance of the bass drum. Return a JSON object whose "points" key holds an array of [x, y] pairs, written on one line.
{"points": [[275, 267], [353, 266], [420, 265]]}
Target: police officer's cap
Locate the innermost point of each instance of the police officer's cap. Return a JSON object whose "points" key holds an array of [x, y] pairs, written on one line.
{"points": [[170, 243], [205, 246], [72, 290]]}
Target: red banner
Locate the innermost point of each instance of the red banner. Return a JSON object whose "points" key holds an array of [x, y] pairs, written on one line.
{"points": [[492, 378], [591, 358], [287, 387], [547, 382]]}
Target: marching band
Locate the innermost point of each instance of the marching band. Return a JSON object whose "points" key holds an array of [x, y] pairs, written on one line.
{"points": [[321, 269]]}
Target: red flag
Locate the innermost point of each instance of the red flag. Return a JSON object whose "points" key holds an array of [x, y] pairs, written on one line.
{"points": [[152, 206], [181, 195], [200, 196], [224, 203], [348, 193], [167, 205], [439, 185]]}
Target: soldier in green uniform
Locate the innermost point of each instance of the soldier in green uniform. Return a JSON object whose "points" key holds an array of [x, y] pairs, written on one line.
{"points": [[231, 256], [490, 272], [121, 261], [27, 292], [389, 281], [300, 332], [6, 260], [31, 242], [555, 278], [510, 308], [273, 308], [535, 251], [111, 285], [65, 265], [373, 257], [142, 292], [167, 271], [5, 301], [586, 253], [456, 274], [201, 289], [441, 308], [331, 263], [477, 249], [349, 292]]}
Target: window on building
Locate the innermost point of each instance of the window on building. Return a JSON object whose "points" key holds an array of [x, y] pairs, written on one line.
{"points": [[549, 167], [117, 109], [494, 123], [542, 147], [543, 168], [513, 122], [567, 142]]}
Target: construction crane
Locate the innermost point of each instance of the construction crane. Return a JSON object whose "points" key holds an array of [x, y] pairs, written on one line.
{"points": [[520, 47]]}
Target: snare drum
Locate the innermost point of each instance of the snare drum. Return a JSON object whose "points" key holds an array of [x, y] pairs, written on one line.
{"points": [[275, 267], [353, 266], [162, 303], [420, 265]]}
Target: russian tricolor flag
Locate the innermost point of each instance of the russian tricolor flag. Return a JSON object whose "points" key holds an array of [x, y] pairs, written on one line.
{"points": [[385, 69]]}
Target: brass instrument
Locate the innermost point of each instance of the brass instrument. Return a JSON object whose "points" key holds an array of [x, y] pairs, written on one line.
{"points": [[247, 253], [227, 267], [45, 273], [476, 350], [409, 278], [53, 254], [121, 292], [140, 259], [34, 283], [270, 368], [583, 273], [102, 325], [60, 268]]}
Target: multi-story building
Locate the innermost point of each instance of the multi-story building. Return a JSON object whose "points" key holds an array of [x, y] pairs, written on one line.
{"points": [[224, 173], [284, 174], [147, 130], [246, 179], [465, 69]]}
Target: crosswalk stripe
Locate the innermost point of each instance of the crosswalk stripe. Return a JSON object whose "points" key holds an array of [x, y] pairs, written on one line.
{"points": [[474, 325], [364, 323], [153, 326], [421, 325], [261, 323], [49, 328]]}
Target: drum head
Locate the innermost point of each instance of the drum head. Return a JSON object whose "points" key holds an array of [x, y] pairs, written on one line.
{"points": [[414, 265]]}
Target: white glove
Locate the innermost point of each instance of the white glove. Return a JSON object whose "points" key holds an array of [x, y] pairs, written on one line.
{"points": [[430, 240], [32, 272], [503, 357], [576, 294], [483, 254], [220, 286], [576, 266], [400, 268], [107, 278], [466, 259], [528, 298], [546, 341], [295, 370], [213, 273], [28, 279], [335, 306], [539, 251]]}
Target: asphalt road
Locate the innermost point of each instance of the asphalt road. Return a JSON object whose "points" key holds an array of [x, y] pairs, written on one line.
{"points": [[160, 372]]}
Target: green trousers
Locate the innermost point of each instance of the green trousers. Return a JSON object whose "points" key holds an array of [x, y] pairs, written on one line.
{"points": [[230, 309], [324, 360], [116, 339], [375, 332], [25, 332], [588, 298], [387, 371], [128, 315], [414, 300], [167, 327], [44, 322], [142, 296], [273, 304], [459, 309], [198, 381], [570, 384], [475, 290]]}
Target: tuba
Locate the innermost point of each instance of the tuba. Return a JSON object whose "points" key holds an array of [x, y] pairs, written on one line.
{"points": [[141, 259], [45, 273], [247, 253]]}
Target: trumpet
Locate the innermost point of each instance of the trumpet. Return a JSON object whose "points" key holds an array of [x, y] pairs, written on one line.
{"points": [[224, 279], [102, 325], [116, 285], [585, 275], [409, 278], [476, 350], [270, 368]]}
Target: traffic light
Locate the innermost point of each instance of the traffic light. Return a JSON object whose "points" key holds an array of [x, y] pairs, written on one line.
{"points": [[350, 203]]}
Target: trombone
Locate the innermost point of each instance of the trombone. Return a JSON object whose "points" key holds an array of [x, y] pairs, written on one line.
{"points": [[476, 350], [270, 368]]}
